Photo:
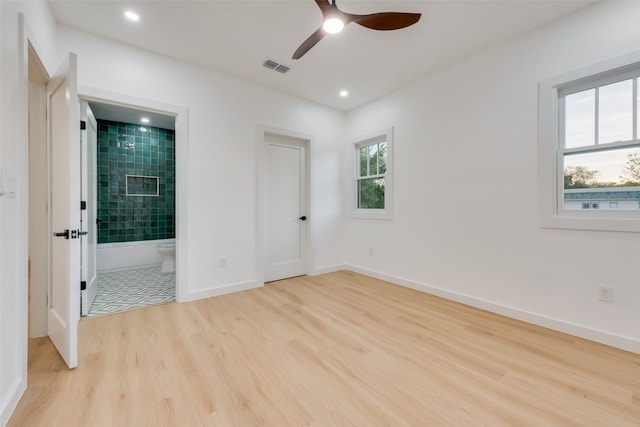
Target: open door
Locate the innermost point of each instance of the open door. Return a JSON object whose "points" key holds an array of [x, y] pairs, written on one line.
{"points": [[88, 182], [63, 126]]}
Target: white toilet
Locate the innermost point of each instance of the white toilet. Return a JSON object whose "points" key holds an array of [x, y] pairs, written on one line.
{"points": [[168, 252]]}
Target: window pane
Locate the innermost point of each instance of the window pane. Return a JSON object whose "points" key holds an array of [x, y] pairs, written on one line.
{"points": [[364, 157], [602, 180], [580, 119], [382, 158], [371, 193], [373, 159], [615, 108]]}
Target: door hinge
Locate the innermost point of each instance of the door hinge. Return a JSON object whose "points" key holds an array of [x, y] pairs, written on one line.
{"points": [[83, 125], [83, 205], [83, 285]]}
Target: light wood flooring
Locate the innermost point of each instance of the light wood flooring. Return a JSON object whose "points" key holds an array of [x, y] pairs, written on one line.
{"points": [[340, 349]]}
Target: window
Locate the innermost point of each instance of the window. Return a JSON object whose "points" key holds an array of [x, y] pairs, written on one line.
{"points": [[589, 145], [372, 176]]}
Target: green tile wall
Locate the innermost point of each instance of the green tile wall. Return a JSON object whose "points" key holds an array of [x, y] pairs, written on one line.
{"points": [[129, 149]]}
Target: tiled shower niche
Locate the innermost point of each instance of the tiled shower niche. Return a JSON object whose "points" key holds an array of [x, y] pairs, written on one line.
{"points": [[136, 155]]}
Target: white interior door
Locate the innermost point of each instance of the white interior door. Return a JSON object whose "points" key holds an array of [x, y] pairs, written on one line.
{"points": [[63, 124], [88, 184], [285, 208]]}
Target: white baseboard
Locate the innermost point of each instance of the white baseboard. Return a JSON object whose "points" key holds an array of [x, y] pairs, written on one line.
{"points": [[602, 337], [10, 403], [220, 290], [328, 269]]}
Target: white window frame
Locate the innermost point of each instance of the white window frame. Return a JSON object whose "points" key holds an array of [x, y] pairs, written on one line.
{"points": [[551, 151], [385, 135]]}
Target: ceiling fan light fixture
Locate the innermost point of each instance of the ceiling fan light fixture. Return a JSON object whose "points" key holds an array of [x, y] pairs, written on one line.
{"points": [[333, 25], [132, 16], [335, 20]]}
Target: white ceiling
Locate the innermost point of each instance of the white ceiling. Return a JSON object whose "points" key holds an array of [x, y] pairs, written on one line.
{"points": [[121, 114], [235, 36]]}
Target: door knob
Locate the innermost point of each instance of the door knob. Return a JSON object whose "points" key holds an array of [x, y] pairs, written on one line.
{"points": [[70, 234], [64, 234], [303, 218]]}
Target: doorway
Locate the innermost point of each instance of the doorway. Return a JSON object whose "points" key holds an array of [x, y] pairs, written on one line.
{"points": [[286, 206], [135, 210], [178, 117]]}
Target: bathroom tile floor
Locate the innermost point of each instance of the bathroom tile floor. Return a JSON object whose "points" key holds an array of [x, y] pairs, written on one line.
{"points": [[131, 289]]}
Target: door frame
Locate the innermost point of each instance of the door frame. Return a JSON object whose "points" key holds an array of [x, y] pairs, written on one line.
{"points": [[88, 93], [38, 193], [260, 144]]}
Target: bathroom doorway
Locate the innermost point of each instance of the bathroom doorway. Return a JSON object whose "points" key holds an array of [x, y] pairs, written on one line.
{"points": [[135, 200]]}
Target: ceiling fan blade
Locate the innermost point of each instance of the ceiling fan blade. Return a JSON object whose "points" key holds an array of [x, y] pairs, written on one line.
{"points": [[324, 6], [385, 21], [309, 43]]}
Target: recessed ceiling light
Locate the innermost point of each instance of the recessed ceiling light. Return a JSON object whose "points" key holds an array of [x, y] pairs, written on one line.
{"points": [[344, 93], [132, 15], [144, 120]]}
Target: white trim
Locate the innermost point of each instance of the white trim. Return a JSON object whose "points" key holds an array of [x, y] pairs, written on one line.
{"points": [[261, 132], [371, 138], [182, 167], [16, 390], [328, 269], [551, 212], [221, 290], [38, 196], [603, 337]]}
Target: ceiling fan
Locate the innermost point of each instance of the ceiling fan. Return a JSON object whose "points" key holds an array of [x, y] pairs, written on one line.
{"points": [[334, 21]]}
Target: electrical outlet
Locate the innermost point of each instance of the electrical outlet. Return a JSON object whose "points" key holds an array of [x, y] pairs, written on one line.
{"points": [[605, 293], [223, 262]]}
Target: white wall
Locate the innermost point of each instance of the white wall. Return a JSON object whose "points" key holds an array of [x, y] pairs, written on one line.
{"points": [[465, 216], [40, 30], [223, 113], [465, 141]]}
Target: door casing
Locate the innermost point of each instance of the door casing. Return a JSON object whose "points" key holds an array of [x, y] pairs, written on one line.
{"points": [[39, 231]]}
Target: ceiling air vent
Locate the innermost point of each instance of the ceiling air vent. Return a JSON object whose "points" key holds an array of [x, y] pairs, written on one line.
{"points": [[273, 65]]}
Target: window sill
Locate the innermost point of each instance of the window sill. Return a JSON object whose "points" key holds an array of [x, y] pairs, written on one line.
{"points": [[589, 222]]}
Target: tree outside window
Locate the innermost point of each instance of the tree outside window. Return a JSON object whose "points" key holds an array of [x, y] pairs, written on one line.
{"points": [[373, 167]]}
